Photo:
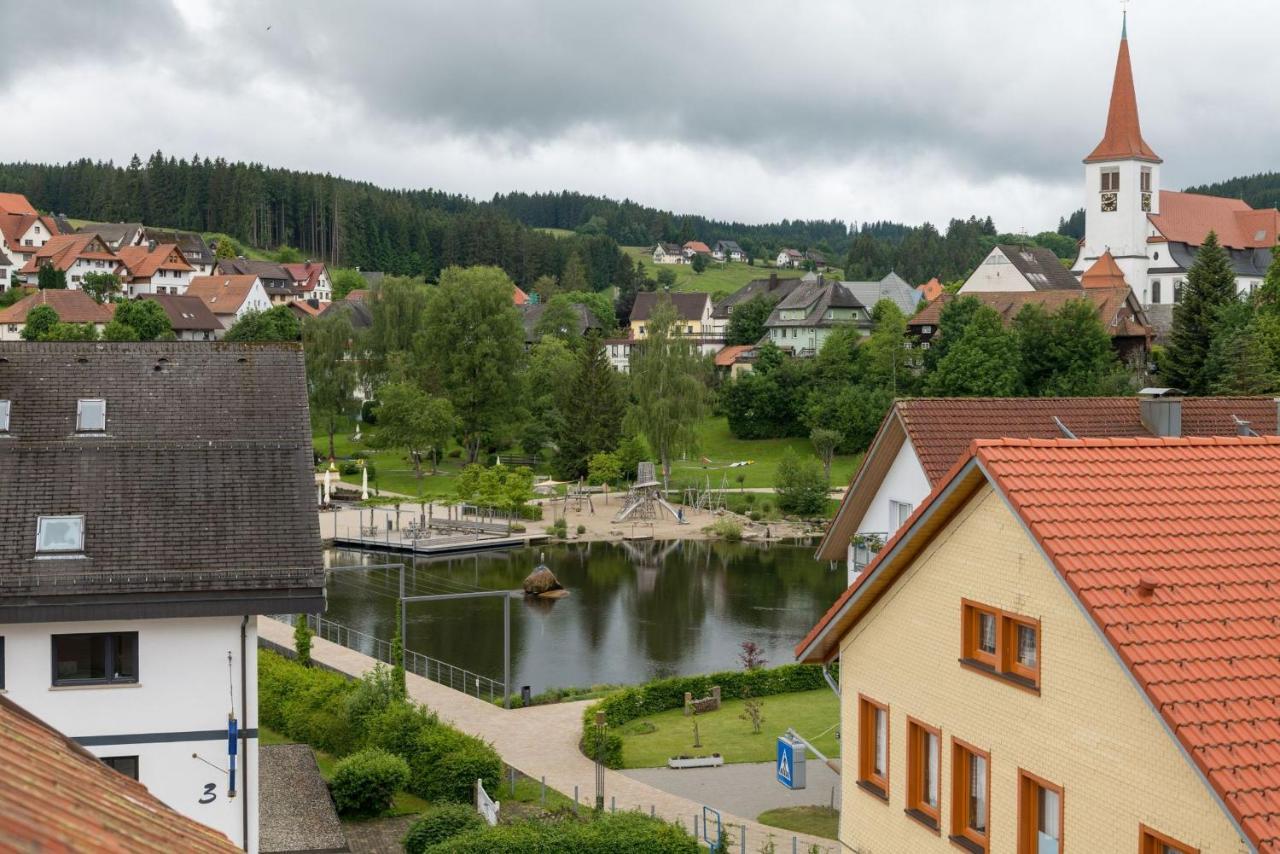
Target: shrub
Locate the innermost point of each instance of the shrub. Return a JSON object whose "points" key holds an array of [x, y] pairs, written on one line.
{"points": [[446, 764], [302, 640], [398, 728], [607, 833], [727, 528], [582, 529], [440, 823], [364, 783], [559, 528], [373, 693], [800, 485], [517, 528]]}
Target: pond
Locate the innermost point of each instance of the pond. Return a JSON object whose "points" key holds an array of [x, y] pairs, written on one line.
{"points": [[635, 611]]}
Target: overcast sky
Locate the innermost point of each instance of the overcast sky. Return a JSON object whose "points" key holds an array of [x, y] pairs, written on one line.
{"points": [[757, 111]]}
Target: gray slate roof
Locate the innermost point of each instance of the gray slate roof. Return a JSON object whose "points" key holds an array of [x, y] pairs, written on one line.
{"points": [[191, 244], [817, 297], [727, 246], [1245, 262], [688, 306], [892, 287], [1040, 267], [531, 313], [357, 310], [198, 499], [773, 287], [112, 232], [187, 313], [271, 273]]}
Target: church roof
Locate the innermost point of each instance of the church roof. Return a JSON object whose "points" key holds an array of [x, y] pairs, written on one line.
{"points": [[1189, 217], [1122, 139], [1105, 273]]}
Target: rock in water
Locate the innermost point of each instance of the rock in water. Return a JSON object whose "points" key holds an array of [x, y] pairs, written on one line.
{"points": [[540, 582]]}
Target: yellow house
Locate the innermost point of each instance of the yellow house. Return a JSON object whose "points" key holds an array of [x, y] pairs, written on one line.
{"points": [[693, 313], [1070, 646]]}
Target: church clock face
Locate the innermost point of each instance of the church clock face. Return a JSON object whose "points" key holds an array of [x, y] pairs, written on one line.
{"points": [[1108, 202], [1146, 203]]}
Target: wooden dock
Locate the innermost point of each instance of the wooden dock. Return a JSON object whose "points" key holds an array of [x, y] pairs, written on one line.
{"points": [[436, 545]]}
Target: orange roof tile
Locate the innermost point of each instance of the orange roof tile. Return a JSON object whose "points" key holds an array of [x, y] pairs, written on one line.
{"points": [[1189, 217], [223, 294], [56, 796], [1118, 310], [63, 250], [1123, 137], [305, 276], [1105, 273], [15, 203], [518, 296], [143, 262], [71, 306], [1193, 522], [698, 246], [930, 290], [728, 355]]}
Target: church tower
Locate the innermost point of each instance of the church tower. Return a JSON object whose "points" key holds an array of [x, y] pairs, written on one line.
{"points": [[1122, 183]]}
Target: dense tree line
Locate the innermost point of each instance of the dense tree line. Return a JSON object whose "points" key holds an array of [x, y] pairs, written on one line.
{"points": [[347, 223], [1259, 191]]}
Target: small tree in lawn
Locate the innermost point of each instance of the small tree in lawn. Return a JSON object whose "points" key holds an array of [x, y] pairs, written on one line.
{"points": [[412, 420], [752, 658], [302, 639], [800, 485], [825, 442], [698, 263]]}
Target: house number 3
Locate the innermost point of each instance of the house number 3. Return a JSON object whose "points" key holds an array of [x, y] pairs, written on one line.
{"points": [[209, 797]]}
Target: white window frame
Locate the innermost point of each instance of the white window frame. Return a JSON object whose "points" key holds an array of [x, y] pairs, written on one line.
{"points": [[896, 517], [5, 407], [80, 428], [41, 548]]}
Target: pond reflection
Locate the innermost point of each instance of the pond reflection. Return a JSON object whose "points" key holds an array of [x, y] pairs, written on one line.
{"points": [[635, 611]]}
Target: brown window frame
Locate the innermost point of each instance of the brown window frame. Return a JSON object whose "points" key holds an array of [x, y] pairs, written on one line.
{"points": [[917, 761], [1144, 180], [1114, 184], [1152, 842], [868, 779], [966, 837], [1029, 811], [1003, 664]]}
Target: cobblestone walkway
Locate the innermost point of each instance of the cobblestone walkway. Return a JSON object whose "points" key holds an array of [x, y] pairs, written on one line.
{"points": [[542, 741]]}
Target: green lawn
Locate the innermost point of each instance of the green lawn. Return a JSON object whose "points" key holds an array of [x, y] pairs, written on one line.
{"points": [[650, 741], [717, 444], [717, 280], [811, 821]]}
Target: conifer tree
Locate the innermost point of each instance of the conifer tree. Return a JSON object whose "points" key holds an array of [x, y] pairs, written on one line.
{"points": [[592, 409], [1211, 284]]}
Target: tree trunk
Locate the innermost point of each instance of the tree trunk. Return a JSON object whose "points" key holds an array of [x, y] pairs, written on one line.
{"points": [[332, 429], [417, 464]]}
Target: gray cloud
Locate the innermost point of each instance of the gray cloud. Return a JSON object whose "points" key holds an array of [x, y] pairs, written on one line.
{"points": [[835, 108]]}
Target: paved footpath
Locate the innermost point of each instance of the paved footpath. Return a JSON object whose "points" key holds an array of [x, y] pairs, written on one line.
{"points": [[542, 741]]}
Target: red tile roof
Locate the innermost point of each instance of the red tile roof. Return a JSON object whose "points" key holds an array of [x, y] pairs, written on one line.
{"points": [[305, 276], [698, 246], [1172, 547], [930, 290], [1105, 273], [1123, 137], [15, 203], [142, 262], [728, 355], [518, 296], [222, 294], [71, 306], [186, 313], [63, 250], [1118, 310], [56, 796], [1189, 217]]}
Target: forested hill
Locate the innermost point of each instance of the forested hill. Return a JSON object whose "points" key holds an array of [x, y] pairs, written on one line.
{"points": [[1259, 191], [349, 223]]}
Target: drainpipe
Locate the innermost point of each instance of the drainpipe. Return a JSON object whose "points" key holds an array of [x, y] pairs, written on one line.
{"points": [[244, 732], [831, 683]]}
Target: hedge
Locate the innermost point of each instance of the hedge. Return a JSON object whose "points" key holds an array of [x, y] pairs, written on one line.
{"points": [[607, 833], [661, 695], [364, 783], [340, 716], [440, 823]]}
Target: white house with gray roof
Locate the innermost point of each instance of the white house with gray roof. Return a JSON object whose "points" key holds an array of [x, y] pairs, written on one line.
{"points": [[806, 317]]}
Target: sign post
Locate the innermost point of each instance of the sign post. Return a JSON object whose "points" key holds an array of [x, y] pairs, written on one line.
{"points": [[789, 765]]}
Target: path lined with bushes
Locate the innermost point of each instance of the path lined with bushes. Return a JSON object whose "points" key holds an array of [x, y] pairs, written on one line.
{"points": [[540, 741]]}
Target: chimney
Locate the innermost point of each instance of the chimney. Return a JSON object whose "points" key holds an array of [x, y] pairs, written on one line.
{"points": [[151, 246], [1161, 410], [773, 281]]}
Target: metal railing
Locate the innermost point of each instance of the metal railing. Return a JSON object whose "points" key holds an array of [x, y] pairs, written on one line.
{"points": [[440, 672]]}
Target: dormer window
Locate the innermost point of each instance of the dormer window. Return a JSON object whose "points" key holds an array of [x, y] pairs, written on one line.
{"points": [[60, 535], [91, 415], [4, 416]]}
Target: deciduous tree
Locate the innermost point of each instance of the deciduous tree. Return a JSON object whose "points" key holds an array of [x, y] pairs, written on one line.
{"points": [[984, 361], [101, 286], [415, 422], [277, 323], [40, 320], [331, 373], [747, 320]]}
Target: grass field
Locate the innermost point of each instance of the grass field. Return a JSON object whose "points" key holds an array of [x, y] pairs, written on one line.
{"points": [[556, 232], [650, 741], [717, 280], [717, 444], [811, 821]]}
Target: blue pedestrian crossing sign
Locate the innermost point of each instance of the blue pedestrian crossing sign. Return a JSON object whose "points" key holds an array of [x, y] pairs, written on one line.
{"points": [[789, 767]]}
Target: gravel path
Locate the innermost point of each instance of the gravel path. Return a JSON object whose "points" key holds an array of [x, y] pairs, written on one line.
{"points": [[295, 812]]}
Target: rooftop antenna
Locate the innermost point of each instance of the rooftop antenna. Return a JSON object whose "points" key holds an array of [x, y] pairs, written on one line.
{"points": [[1066, 431]]}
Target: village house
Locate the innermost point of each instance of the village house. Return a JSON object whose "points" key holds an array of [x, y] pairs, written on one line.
{"points": [[531, 316], [230, 297], [892, 287], [355, 305], [805, 318], [190, 318], [819, 260], [1069, 646], [1152, 232], [734, 360], [1010, 268], [774, 288], [158, 269], [71, 307], [920, 439], [669, 253], [789, 258], [276, 282], [76, 255], [22, 232], [693, 314], [135, 567], [728, 250], [695, 247], [311, 280], [116, 234], [194, 248], [60, 797], [1119, 312], [305, 309], [619, 352]]}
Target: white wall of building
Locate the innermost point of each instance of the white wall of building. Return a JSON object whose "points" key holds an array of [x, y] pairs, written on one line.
{"points": [[905, 482], [1123, 231], [996, 273], [177, 707]]}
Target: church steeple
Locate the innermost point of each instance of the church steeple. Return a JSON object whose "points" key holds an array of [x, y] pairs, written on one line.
{"points": [[1123, 137]]}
